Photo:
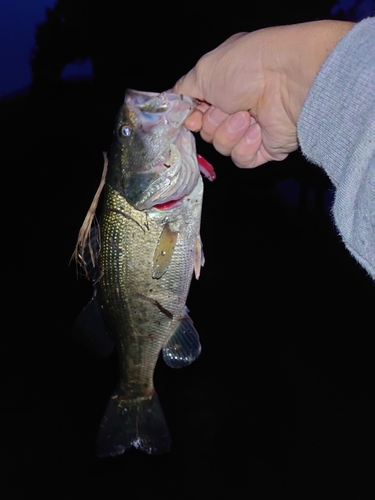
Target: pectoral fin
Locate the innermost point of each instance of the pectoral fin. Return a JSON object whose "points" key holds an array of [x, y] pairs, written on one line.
{"points": [[183, 347], [199, 257], [164, 251]]}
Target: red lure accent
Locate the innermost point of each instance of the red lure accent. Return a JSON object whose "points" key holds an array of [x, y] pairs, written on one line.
{"points": [[206, 168], [166, 205]]}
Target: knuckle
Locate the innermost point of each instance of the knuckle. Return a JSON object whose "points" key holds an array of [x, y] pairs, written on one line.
{"points": [[242, 156]]}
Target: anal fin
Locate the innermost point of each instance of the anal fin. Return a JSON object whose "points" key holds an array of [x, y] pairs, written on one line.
{"points": [[183, 347]]}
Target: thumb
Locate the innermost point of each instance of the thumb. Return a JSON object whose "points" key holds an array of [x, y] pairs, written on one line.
{"points": [[188, 85]]}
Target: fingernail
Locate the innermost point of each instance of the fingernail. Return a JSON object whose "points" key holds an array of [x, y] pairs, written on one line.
{"points": [[215, 116], [237, 121], [253, 133]]}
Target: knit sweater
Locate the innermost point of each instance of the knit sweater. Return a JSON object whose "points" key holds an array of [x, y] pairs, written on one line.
{"points": [[336, 130]]}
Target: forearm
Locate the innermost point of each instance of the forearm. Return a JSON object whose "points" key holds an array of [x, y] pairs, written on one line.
{"points": [[336, 130]]}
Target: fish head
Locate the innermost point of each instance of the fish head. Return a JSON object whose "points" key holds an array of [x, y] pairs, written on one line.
{"points": [[153, 158]]}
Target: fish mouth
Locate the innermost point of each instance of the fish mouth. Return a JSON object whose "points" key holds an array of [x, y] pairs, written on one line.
{"points": [[179, 178], [169, 170]]}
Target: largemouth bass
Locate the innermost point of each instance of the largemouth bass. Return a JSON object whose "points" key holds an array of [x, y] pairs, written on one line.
{"points": [[141, 259]]}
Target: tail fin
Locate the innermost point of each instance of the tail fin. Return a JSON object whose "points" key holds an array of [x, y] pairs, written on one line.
{"points": [[140, 424]]}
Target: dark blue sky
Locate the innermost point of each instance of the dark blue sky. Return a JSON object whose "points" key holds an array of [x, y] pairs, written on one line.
{"points": [[18, 21]]}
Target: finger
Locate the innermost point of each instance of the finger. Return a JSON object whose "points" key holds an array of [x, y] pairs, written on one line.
{"points": [[212, 119], [231, 131], [247, 153], [203, 106], [194, 121]]}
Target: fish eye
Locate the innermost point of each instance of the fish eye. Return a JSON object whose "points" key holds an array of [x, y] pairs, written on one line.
{"points": [[125, 131]]}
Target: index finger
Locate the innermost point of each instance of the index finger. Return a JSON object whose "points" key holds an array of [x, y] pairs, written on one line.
{"points": [[194, 122]]}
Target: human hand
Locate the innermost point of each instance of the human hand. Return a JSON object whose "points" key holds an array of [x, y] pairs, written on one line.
{"points": [[253, 86]]}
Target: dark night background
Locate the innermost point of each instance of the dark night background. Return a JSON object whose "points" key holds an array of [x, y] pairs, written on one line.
{"points": [[280, 404]]}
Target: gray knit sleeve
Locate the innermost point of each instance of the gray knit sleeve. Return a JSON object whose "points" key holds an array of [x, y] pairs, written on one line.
{"points": [[336, 130]]}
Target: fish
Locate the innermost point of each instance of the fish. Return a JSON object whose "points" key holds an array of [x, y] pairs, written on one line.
{"points": [[141, 258]]}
